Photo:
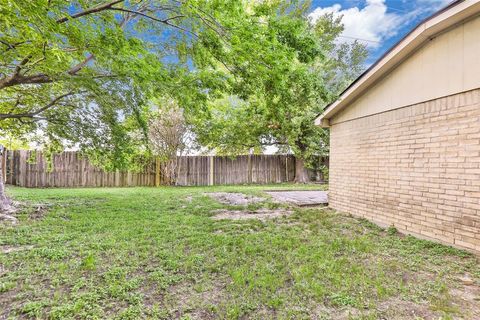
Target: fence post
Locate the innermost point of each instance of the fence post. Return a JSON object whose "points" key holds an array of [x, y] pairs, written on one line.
{"points": [[3, 164], [212, 169], [157, 172], [286, 167], [250, 177]]}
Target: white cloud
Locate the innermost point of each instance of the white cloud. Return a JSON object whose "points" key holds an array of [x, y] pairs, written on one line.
{"points": [[372, 23]]}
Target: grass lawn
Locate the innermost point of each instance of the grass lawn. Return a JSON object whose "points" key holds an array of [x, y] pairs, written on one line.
{"points": [[156, 253]]}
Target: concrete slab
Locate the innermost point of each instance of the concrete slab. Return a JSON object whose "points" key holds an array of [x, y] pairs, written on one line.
{"points": [[301, 198]]}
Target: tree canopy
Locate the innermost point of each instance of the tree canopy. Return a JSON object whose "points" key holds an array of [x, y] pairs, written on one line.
{"points": [[246, 73], [298, 68], [77, 72]]}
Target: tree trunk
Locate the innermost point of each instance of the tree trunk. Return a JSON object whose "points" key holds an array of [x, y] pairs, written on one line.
{"points": [[5, 203], [4, 200], [301, 175], [6, 208]]}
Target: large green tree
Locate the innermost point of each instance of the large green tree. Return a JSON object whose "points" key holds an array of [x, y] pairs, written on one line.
{"points": [[79, 73], [73, 70], [295, 67]]}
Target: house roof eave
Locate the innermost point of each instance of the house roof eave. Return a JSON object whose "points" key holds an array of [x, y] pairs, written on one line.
{"points": [[447, 17]]}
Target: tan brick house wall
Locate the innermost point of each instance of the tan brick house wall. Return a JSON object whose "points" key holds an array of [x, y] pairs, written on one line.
{"points": [[416, 167]]}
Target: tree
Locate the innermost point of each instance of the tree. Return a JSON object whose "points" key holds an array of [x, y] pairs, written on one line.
{"points": [[73, 72], [169, 137], [304, 69], [49, 81]]}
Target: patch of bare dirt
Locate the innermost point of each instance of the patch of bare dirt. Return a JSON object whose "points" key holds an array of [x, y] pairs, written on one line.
{"points": [[185, 301], [232, 198], [467, 298], [260, 214], [345, 313], [9, 249], [398, 309], [38, 211]]}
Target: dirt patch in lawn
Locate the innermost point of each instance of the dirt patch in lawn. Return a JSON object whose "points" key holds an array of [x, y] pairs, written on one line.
{"points": [[396, 308], [38, 211], [467, 298], [186, 301], [9, 249], [232, 198], [260, 214]]}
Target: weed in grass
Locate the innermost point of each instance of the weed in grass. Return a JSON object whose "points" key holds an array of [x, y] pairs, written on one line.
{"points": [[88, 262], [392, 231], [343, 299]]}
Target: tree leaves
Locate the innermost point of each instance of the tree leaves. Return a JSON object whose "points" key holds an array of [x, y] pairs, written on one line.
{"points": [[287, 71], [110, 57]]}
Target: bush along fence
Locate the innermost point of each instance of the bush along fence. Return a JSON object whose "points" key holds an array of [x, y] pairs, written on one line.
{"points": [[70, 169]]}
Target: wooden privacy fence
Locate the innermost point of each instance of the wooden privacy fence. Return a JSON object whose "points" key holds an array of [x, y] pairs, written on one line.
{"points": [[69, 169]]}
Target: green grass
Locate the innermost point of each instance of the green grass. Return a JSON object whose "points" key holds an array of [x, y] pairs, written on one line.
{"points": [[156, 253]]}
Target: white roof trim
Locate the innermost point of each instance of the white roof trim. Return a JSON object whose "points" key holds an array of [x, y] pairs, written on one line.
{"points": [[445, 18]]}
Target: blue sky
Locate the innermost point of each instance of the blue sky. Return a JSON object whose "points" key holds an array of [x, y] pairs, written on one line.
{"points": [[379, 24]]}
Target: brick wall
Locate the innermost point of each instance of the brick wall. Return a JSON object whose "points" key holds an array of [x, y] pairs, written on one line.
{"points": [[417, 168]]}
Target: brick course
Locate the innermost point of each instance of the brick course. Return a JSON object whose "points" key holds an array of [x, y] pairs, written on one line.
{"points": [[416, 168]]}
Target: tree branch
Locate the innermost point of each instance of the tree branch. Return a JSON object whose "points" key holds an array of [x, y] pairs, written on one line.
{"points": [[206, 20], [53, 102], [79, 66], [164, 21], [17, 79], [19, 67], [11, 46], [34, 114], [96, 9]]}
